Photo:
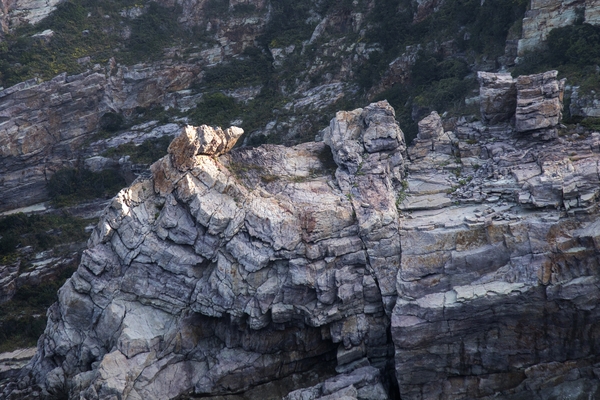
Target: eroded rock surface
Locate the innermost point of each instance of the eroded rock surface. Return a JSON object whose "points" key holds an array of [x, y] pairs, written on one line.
{"points": [[470, 270], [233, 271], [539, 103], [534, 101], [499, 269], [498, 97]]}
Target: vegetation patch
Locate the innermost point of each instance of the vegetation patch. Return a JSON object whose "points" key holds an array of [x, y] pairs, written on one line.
{"points": [[573, 50], [146, 153], [23, 319], [73, 185], [95, 29], [288, 24], [592, 123], [41, 232], [252, 68], [470, 27]]}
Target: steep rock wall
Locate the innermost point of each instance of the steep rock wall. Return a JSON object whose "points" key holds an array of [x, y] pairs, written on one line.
{"points": [[44, 125], [470, 270]]}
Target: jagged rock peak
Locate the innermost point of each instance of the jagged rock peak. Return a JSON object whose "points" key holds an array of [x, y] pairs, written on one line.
{"points": [[202, 140], [431, 127]]}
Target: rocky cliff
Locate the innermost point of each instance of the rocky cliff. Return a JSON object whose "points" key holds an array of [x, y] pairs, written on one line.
{"points": [[465, 267]]}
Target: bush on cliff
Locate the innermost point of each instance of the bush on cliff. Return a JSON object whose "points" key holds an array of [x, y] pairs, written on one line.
{"points": [[23, 319], [573, 50], [72, 185], [146, 153], [41, 232]]}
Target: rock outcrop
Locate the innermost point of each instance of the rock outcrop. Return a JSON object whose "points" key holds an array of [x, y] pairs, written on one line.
{"points": [[584, 104], [22, 12], [469, 271], [539, 103], [232, 271], [535, 101], [498, 97]]}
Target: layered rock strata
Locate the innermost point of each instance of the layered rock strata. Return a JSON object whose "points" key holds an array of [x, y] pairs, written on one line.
{"points": [[43, 126], [498, 97], [539, 103], [471, 271], [232, 271], [498, 283], [534, 101]]}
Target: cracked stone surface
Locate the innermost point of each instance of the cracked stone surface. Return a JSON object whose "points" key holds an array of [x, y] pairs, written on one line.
{"points": [[466, 265], [234, 271]]}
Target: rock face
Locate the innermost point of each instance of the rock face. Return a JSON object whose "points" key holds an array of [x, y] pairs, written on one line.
{"points": [[545, 15], [535, 101], [498, 97], [471, 271], [45, 124], [539, 102], [494, 291], [584, 104], [232, 271], [20, 12]]}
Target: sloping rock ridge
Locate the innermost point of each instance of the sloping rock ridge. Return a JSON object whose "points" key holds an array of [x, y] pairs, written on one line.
{"points": [[464, 267]]}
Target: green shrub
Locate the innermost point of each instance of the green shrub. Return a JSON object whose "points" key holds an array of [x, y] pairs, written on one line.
{"points": [[91, 28], [443, 94], [22, 319], [42, 232], [216, 8], [573, 50], [243, 9], [252, 68], [575, 44], [592, 123], [151, 32], [216, 109], [287, 24], [111, 122], [146, 153], [71, 185]]}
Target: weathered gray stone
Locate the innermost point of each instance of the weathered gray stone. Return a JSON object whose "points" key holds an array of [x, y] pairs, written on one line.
{"points": [[539, 102], [202, 244], [223, 273], [498, 97]]}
